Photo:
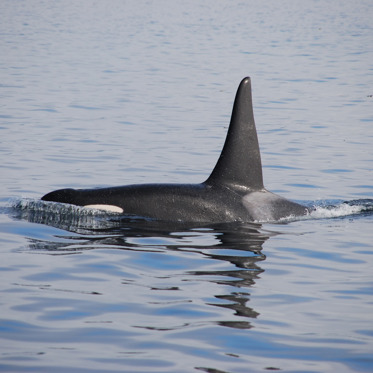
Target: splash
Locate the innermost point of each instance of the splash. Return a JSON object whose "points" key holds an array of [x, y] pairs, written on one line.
{"points": [[62, 215], [341, 210], [35, 206], [331, 210]]}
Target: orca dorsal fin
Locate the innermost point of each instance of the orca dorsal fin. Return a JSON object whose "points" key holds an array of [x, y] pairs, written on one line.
{"points": [[239, 165]]}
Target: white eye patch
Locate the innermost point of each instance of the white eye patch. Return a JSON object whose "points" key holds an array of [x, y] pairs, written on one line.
{"points": [[110, 208]]}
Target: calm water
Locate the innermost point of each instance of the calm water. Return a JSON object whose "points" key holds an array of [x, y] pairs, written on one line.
{"points": [[111, 93]]}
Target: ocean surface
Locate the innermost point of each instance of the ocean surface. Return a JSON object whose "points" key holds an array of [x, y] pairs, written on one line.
{"points": [[116, 92]]}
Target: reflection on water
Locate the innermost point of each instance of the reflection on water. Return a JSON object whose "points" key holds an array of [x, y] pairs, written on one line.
{"points": [[238, 245], [148, 287]]}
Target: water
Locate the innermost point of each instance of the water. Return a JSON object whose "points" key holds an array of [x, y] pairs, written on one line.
{"points": [[112, 93]]}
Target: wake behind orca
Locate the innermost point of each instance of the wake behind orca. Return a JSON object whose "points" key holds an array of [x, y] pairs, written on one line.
{"points": [[233, 192]]}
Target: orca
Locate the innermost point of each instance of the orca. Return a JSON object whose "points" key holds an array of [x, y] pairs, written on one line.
{"points": [[234, 192]]}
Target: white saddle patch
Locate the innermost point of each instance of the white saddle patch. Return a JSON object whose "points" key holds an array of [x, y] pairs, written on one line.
{"points": [[110, 208]]}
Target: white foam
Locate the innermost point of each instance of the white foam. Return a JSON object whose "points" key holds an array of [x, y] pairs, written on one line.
{"points": [[341, 210], [331, 211]]}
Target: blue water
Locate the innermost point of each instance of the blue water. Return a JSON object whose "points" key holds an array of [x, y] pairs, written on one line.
{"points": [[113, 93]]}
